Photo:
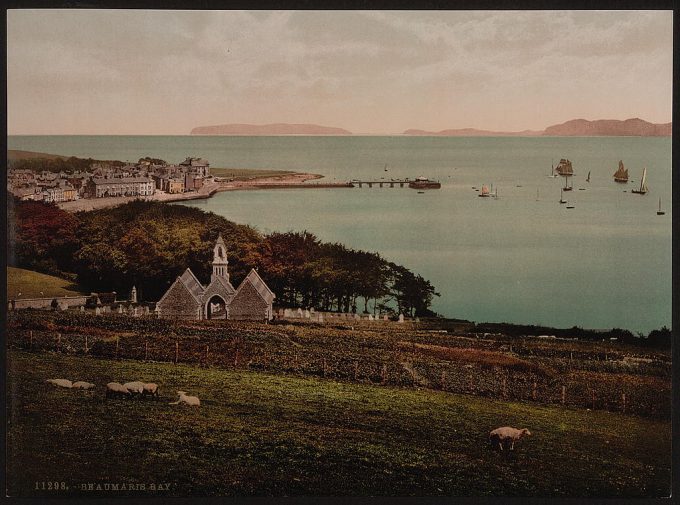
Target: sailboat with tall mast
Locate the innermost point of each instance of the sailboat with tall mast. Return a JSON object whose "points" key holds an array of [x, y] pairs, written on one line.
{"points": [[643, 184], [562, 200], [621, 175]]}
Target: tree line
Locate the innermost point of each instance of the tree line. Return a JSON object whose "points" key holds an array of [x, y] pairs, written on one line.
{"points": [[148, 244]]}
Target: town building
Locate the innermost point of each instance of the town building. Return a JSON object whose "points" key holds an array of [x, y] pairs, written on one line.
{"points": [[119, 186], [188, 299], [197, 166]]}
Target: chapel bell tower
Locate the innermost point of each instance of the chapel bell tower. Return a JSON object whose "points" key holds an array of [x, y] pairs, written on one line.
{"points": [[220, 262]]}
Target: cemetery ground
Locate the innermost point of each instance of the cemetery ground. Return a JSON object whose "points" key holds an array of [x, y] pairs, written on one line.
{"points": [[334, 409]]}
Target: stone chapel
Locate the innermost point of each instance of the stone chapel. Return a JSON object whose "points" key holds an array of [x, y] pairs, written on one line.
{"points": [[188, 299]]}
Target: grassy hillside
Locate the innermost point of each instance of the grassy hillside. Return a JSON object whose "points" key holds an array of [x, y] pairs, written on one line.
{"points": [[247, 173], [14, 154], [262, 434], [30, 284]]}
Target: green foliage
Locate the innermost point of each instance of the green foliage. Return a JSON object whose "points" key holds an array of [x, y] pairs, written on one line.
{"points": [[148, 244], [68, 165]]}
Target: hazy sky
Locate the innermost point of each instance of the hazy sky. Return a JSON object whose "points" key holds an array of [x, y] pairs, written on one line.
{"points": [[164, 72]]}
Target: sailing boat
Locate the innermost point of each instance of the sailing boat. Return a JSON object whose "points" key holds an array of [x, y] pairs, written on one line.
{"points": [[567, 188], [552, 169], [643, 184], [385, 167], [485, 193], [564, 167], [588, 178], [562, 200], [660, 212], [621, 175]]}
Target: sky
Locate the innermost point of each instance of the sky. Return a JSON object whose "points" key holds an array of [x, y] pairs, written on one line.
{"points": [[136, 72]]}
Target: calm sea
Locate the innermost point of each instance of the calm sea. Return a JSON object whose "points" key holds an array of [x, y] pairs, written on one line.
{"points": [[522, 258]]}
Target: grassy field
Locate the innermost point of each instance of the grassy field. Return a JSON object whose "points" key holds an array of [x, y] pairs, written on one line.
{"points": [[30, 284], [14, 154], [262, 434], [247, 173]]}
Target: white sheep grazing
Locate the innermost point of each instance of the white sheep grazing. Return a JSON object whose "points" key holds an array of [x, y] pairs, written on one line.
{"points": [[64, 383], [135, 387], [82, 385], [189, 400], [507, 436], [116, 389], [150, 389]]}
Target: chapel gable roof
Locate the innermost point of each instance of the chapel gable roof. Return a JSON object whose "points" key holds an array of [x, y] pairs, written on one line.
{"points": [[256, 281], [191, 282]]}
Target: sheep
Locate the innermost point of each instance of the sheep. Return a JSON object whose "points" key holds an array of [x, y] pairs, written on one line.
{"points": [[507, 436], [189, 400], [64, 383], [150, 389], [116, 389], [82, 385], [135, 387]]}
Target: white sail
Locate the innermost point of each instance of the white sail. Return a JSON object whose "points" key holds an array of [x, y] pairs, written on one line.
{"points": [[643, 182]]}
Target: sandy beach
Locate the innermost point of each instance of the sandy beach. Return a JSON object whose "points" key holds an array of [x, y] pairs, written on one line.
{"points": [[281, 181]]}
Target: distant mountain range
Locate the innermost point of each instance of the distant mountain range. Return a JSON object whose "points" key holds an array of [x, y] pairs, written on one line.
{"points": [[268, 129], [575, 128]]}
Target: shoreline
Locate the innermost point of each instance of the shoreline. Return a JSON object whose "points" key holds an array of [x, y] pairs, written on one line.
{"points": [[288, 181]]}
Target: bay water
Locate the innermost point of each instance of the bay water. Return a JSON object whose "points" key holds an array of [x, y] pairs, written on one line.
{"points": [[522, 257]]}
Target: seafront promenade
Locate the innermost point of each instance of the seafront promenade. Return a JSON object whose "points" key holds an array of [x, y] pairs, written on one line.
{"points": [[296, 180]]}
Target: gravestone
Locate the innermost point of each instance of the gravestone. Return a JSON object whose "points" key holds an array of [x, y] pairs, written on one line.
{"points": [[307, 314], [370, 317], [385, 318], [120, 309], [96, 311], [357, 316], [299, 312], [401, 318], [82, 308], [321, 318]]}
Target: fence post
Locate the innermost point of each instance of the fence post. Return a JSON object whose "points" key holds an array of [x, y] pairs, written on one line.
{"points": [[207, 354], [571, 356], [117, 345], [146, 350], [86, 347], [564, 393], [443, 381], [534, 394], [30, 333], [295, 366], [59, 340], [324, 367], [623, 400], [176, 351], [592, 395], [356, 370], [236, 358], [384, 374]]}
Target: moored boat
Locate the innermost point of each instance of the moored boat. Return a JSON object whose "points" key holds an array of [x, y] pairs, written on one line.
{"points": [[643, 184], [484, 193], [424, 183]]}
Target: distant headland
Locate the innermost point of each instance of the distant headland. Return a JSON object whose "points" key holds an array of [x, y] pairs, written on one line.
{"points": [[575, 128], [269, 129]]}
